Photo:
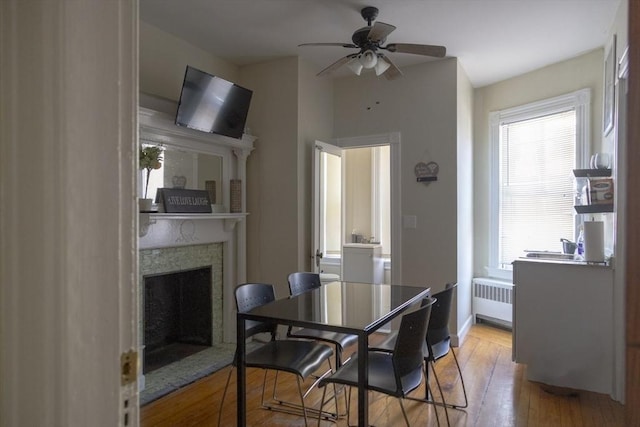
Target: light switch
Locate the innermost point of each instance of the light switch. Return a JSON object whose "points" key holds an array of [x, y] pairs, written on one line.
{"points": [[409, 221]]}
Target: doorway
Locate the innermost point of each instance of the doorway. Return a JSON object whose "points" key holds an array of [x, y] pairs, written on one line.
{"points": [[357, 201]]}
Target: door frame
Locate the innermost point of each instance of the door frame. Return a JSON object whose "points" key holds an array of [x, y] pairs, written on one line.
{"points": [[392, 139], [317, 206]]}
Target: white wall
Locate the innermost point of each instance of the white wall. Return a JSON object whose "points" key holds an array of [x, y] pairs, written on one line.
{"points": [[462, 310], [422, 106], [164, 58], [584, 71], [315, 122]]}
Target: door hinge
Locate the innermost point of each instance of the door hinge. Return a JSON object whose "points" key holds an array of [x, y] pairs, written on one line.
{"points": [[128, 367]]}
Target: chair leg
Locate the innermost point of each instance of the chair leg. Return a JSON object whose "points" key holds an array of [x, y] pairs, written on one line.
{"points": [[304, 408], [275, 382], [444, 403], [429, 393], [264, 386], [327, 415], [224, 394], [324, 392], [296, 408], [348, 407], [339, 363], [464, 389], [404, 413], [435, 410]]}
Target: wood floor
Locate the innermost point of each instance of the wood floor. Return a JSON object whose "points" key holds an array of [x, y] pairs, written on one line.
{"points": [[498, 392]]}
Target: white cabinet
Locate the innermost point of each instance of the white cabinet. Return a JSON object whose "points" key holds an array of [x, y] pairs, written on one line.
{"points": [[563, 323], [362, 263]]}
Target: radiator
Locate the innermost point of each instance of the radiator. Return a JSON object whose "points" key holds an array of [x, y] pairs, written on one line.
{"points": [[492, 300]]}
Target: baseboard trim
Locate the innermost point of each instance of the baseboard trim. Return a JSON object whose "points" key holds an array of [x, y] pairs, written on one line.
{"points": [[458, 338]]}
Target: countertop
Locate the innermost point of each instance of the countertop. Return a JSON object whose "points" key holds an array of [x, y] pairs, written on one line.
{"points": [[564, 262]]}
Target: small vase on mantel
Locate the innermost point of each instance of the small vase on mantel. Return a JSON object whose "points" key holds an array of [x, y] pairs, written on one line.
{"points": [[144, 205]]}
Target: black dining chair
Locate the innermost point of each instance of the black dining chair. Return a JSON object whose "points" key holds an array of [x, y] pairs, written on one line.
{"points": [[300, 282], [394, 373], [298, 357], [438, 340]]}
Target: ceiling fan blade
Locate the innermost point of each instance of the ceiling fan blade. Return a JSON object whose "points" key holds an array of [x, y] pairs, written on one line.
{"points": [[393, 72], [339, 63], [417, 49], [379, 31], [351, 45]]}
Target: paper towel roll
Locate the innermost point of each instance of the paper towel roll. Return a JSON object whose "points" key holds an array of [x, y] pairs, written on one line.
{"points": [[594, 241]]}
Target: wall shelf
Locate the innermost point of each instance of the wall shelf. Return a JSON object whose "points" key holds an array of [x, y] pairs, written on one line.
{"points": [[230, 219], [597, 208], [163, 215], [591, 173]]}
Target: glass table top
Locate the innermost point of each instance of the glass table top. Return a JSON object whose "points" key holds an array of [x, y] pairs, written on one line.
{"points": [[343, 305]]}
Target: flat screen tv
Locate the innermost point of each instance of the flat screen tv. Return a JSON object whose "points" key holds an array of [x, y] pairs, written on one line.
{"points": [[212, 104]]}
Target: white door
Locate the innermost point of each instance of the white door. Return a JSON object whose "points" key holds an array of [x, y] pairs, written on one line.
{"points": [[68, 213], [327, 203]]}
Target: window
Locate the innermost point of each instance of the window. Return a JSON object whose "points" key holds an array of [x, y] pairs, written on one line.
{"points": [[534, 149]]}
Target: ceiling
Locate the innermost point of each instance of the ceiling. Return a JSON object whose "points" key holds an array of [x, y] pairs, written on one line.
{"points": [[493, 39]]}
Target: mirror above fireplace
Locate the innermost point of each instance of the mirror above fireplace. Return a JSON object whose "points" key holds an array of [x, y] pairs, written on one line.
{"points": [[194, 159], [182, 168]]}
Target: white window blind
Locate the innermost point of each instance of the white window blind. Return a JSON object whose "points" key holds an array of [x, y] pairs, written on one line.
{"points": [[536, 190]]}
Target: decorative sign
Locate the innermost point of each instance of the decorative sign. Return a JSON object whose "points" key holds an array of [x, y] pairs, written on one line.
{"points": [[179, 200], [426, 172]]}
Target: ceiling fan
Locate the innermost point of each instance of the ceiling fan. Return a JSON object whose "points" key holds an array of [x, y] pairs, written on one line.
{"points": [[369, 40]]}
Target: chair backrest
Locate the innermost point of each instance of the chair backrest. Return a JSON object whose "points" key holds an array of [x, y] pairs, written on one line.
{"points": [[408, 353], [439, 323], [302, 281], [252, 295]]}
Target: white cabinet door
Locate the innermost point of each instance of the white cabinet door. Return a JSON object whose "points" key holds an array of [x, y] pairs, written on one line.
{"points": [[362, 263], [563, 324]]}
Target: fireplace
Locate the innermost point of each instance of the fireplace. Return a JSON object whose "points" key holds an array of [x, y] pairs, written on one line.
{"points": [[181, 302], [177, 316], [175, 242]]}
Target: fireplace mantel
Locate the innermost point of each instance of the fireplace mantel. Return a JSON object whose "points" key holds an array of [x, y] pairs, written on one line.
{"points": [[230, 219], [165, 230]]}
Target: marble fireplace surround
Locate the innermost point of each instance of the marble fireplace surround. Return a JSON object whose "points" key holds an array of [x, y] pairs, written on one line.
{"points": [[181, 242], [163, 261]]}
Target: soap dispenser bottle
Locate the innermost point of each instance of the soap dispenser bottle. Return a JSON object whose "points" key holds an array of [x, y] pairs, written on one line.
{"points": [[579, 254]]}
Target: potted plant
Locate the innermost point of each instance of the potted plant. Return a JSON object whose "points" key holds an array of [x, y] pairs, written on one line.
{"points": [[150, 159]]}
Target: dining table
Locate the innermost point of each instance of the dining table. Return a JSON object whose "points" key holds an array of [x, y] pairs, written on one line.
{"points": [[347, 307]]}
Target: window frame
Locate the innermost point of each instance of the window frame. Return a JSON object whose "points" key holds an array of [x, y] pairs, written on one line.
{"points": [[580, 101]]}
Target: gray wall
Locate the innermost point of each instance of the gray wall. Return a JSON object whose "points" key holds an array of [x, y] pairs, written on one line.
{"points": [[272, 172], [422, 107]]}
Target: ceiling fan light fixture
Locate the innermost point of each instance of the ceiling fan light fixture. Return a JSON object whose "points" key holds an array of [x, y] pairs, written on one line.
{"points": [[370, 40], [368, 59], [381, 66], [355, 66]]}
